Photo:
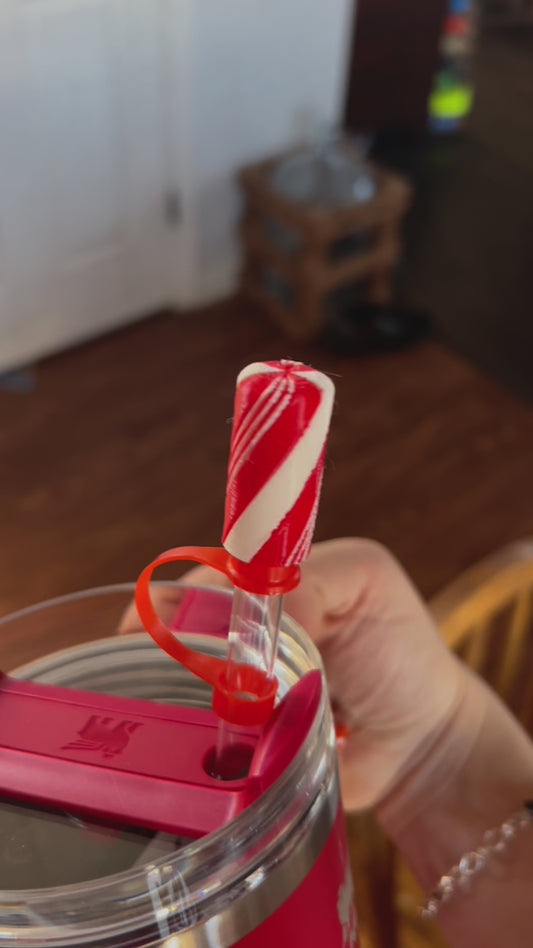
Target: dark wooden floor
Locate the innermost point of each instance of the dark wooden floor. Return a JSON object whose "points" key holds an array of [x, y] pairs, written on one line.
{"points": [[120, 452]]}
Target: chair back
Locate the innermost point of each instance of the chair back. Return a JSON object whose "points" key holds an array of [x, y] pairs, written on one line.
{"points": [[486, 617]]}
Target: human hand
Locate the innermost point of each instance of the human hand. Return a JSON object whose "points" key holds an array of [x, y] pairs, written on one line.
{"points": [[391, 680], [427, 741]]}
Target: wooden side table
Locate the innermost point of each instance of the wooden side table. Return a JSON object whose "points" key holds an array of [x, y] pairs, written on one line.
{"points": [[298, 255]]}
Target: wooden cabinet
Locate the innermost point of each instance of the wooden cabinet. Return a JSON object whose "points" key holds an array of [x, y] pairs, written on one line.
{"points": [[393, 60]]}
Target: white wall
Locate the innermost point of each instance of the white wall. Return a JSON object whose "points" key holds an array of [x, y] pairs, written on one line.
{"points": [[248, 71], [108, 108]]}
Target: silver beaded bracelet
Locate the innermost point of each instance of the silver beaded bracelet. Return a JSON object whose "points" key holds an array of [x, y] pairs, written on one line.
{"points": [[494, 841]]}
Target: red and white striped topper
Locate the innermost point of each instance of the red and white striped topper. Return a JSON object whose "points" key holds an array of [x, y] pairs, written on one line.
{"points": [[281, 420]]}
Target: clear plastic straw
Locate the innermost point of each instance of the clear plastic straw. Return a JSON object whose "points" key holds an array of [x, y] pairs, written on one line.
{"points": [[252, 640]]}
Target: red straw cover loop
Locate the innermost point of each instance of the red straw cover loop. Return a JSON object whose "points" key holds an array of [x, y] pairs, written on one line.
{"points": [[203, 666], [231, 705]]}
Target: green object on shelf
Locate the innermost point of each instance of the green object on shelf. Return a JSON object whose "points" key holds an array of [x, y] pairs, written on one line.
{"points": [[451, 103]]}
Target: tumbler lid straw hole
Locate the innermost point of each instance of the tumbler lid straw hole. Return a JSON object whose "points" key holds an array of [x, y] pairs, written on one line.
{"points": [[232, 764]]}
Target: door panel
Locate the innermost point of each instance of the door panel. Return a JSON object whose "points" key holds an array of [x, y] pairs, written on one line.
{"points": [[70, 140], [84, 170]]}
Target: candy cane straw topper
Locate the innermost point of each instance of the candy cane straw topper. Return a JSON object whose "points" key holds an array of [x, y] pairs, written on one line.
{"points": [[281, 419], [282, 415]]}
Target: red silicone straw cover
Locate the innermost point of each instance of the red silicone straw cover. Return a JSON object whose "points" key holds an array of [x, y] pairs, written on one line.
{"points": [[228, 704]]}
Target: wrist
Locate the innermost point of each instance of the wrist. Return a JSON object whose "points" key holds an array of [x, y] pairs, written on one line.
{"points": [[428, 778], [470, 775], [474, 776]]}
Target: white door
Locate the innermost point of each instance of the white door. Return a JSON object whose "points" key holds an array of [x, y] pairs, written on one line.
{"points": [[86, 170]]}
